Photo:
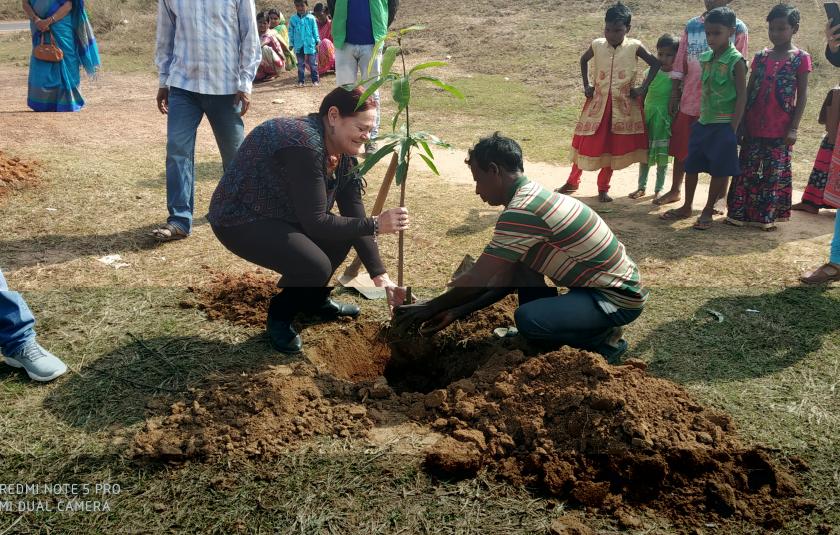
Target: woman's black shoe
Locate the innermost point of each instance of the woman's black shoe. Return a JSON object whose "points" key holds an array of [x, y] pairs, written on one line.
{"points": [[283, 336], [333, 309]]}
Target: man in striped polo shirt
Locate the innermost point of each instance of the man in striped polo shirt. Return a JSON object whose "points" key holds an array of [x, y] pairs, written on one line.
{"points": [[539, 234]]}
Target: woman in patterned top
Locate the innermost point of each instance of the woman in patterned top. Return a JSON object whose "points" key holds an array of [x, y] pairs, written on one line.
{"points": [[273, 207]]}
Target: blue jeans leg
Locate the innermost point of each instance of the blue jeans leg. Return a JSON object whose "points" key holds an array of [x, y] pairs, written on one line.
{"points": [[572, 319], [16, 320], [312, 59], [226, 123], [835, 241], [301, 61], [185, 113]]}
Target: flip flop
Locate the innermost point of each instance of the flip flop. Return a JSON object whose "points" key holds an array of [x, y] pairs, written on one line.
{"points": [[673, 215], [824, 274], [168, 232], [702, 225]]}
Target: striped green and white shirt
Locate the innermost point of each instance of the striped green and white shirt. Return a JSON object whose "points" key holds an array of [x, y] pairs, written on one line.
{"points": [[566, 241]]}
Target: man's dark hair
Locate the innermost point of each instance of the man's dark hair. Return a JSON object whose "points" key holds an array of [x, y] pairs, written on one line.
{"points": [[319, 8], [668, 41], [262, 16], [498, 149], [784, 11], [721, 15], [619, 14]]}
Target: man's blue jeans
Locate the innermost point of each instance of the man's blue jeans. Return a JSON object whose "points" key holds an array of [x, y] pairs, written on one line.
{"points": [[16, 320], [186, 109], [574, 319]]}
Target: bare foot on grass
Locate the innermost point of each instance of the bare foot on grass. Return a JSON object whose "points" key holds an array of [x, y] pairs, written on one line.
{"points": [[668, 198], [675, 214]]}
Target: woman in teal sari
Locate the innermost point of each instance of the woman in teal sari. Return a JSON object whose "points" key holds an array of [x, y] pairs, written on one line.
{"points": [[55, 86]]}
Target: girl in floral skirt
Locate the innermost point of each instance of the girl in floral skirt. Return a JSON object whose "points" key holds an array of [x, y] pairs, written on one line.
{"points": [[776, 96]]}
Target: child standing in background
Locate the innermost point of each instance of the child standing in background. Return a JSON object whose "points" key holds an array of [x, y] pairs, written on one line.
{"points": [[658, 117], [686, 95], [713, 145], [303, 37], [611, 131], [776, 97], [812, 197]]}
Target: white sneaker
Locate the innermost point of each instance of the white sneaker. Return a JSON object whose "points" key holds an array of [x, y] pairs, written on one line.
{"points": [[40, 364]]}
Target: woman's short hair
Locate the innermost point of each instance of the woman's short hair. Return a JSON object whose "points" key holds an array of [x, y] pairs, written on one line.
{"points": [[503, 151], [346, 101]]}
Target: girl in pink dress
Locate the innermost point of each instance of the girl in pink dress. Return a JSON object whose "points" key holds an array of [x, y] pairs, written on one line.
{"points": [[777, 92]]}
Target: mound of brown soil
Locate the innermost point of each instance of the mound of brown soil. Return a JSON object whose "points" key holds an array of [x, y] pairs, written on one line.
{"points": [[241, 299], [259, 415], [16, 173], [607, 437]]}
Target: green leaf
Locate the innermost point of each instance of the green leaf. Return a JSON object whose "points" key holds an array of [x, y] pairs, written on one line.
{"points": [[401, 91], [377, 48], [374, 158], [427, 65], [426, 148], [405, 148], [370, 90], [396, 118], [412, 28], [431, 164], [402, 172], [441, 84], [388, 58], [431, 138]]}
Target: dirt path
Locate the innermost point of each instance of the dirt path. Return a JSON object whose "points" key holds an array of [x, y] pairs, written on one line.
{"points": [[121, 121]]}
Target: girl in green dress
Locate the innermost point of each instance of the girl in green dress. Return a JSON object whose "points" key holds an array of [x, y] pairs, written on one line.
{"points": [[658, 117]]}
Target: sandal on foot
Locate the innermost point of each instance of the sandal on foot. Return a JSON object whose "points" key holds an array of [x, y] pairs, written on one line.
{"points": [[638, 194], [702, 224], [566, 189], [673, 215], [168, 232], [824, 274]]}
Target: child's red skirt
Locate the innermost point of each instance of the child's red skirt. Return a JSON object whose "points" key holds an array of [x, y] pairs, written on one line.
{"points": [[606, 149]]}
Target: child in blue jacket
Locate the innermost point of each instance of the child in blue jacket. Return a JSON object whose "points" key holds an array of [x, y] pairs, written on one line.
{"points": [[304, 39]]}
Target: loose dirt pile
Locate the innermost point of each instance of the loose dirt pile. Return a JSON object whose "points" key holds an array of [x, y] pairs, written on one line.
{"points": [[240, 299], [16, 173], [611, 438]]}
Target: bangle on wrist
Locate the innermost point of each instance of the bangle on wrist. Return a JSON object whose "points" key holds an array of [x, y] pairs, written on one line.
{"points": [[375, 228]]}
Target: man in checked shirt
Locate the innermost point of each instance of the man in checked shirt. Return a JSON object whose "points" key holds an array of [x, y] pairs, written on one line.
{"points": [[207, 56]]}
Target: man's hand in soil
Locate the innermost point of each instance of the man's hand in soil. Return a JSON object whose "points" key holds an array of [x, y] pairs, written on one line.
{"points": [[409, 317]]}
